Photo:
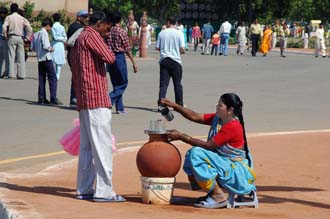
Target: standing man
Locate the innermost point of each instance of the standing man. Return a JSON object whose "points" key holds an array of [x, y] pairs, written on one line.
{"points": [[118, 43], [224, 32], [320, 42], [207, 31], [88, 57], [276, 29], [46, 69], [256, 34], [13, 30], [81, 21], [3, 45], [283, 35], [171, 44]]}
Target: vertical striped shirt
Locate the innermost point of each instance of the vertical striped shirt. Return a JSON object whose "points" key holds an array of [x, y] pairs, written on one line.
{"points": [[88, 70]]}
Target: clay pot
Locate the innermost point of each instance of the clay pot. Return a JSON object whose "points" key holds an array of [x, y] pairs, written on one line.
{"points": [[158, 157]]}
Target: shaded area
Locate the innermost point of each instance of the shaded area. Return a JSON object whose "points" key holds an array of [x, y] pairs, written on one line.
{"points": [[47, 190], [180, 200]]}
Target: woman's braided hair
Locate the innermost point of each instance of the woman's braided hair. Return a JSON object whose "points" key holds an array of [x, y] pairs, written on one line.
{"points": [[232, 100]]}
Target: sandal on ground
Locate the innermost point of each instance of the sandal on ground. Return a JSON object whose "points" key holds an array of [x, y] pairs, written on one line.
{"points": [[116, 198], [211, 203], [202, 198], [84, 196]]}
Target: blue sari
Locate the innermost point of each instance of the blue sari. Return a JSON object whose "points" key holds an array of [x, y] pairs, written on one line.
{"points": [[230, 167]]}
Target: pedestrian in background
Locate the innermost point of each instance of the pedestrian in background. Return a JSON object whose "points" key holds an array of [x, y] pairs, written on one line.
{"points": [[215, 43], [196, 35], [319, 41], [46, 69], [59, 37], [224, 32], [171, 44], [3, 45], [118, 43], [256, 34], [207, 31], [241, 38], [82, 18], [13, 30], [283, 35]]}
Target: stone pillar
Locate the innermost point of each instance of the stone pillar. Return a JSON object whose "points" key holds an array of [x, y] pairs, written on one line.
{"points": [[132, 28], [143, 36]]}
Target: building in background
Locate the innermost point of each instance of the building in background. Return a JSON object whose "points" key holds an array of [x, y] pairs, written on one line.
{"points": [[71, 6]]}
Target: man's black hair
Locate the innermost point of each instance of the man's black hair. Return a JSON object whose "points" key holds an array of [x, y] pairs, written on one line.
{"points": [[171, 20], [46, 21], [56, 17], [99, 16], [116, 17], [14, 7], [3, 10]]}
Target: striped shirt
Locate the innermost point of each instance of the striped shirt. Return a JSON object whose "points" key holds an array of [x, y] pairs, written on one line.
{"points": [[88, 71], [118, 40]]}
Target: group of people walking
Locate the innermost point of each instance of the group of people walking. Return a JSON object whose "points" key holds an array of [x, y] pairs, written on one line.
{"points": [[257, 37]]}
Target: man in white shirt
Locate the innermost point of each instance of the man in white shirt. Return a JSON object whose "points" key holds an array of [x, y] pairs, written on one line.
{"points": [[224, 32], [171, 44], [319, 42]]}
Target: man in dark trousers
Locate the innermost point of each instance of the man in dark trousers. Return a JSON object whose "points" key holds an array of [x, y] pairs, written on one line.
{"points": [[46, 69], [81, 21], [118, 42], [171, 44]]}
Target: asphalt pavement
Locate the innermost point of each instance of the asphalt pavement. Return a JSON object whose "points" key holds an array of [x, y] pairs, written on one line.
{"points": [[279, 94]]}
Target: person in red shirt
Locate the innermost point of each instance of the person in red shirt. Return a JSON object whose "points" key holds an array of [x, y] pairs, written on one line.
{"points": [[88, 57], [215, 43], [224, 159]]}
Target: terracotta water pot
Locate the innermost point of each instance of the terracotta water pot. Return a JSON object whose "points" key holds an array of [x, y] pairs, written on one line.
{"points": [[158, 157]]}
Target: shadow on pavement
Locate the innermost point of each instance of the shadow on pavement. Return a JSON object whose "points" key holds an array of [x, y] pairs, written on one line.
{"points": [[142, 108], [48, 190]]}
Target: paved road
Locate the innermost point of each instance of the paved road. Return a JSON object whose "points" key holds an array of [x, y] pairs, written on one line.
{"points": [[279, 94]]}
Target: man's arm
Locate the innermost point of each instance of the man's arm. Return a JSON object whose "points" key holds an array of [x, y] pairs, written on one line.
{"points": [[135, 67], [182, 44], [45, 42], [98, 46], [5, 27], [28, 29]]}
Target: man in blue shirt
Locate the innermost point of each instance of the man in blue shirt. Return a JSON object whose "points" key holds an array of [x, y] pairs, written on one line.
{"points": [[171, 44], [207, 31], [46, 69]]}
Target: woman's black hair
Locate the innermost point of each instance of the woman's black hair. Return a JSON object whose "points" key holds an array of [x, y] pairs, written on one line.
{"points": [[232, 100]]}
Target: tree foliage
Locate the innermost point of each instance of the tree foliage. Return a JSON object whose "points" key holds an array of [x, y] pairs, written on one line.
{"points": [[266, 10]]}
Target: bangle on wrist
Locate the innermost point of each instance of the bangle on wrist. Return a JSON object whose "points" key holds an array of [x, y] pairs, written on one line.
{"points": [[185, 137]]}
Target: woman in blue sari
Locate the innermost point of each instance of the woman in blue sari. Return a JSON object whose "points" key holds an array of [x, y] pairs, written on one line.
{"points": [[224, 160]]}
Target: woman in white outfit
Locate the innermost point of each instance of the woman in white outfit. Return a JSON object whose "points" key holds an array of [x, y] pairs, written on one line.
{"points": [[59, 37], [319, 42], [241, 38]]}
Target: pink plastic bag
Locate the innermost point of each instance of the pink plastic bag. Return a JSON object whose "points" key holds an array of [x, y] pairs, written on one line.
{"points": [[71, 140]]}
